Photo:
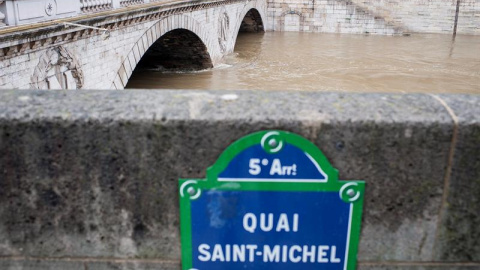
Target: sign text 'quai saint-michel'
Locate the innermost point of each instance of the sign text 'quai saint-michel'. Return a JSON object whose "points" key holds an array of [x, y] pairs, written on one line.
{"points": [[271, 201]]}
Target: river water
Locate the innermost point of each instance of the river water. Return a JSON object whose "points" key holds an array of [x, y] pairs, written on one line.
{"points": [[334, 62]]}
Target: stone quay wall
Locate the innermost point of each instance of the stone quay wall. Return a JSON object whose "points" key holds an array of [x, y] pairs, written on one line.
{"points": [[374, 16], [89, 179]]}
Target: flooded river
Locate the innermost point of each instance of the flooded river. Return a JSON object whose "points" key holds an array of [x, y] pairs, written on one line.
{"points": [[333, 62]]}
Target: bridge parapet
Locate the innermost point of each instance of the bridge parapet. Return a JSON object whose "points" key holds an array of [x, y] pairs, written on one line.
{"points": [[88, 179], [20, 12]]}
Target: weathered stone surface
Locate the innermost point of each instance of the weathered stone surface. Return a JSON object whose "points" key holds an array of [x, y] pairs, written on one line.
{"points": [[24, 264], [135, 265], [112, 264], [373, 16], [460, 231], [94, 174], [426, 266], [106, 264]]}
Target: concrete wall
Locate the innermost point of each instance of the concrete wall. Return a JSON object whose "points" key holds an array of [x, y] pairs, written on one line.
{"points": [[88, 180], [83, 58], [374, 16]]}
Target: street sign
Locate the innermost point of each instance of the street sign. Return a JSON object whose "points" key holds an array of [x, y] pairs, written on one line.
{"points": [[271, 201]]}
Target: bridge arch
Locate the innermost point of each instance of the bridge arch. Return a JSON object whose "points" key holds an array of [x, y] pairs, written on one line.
{"points": [[256, 9], [186, 24], [179, 49]]}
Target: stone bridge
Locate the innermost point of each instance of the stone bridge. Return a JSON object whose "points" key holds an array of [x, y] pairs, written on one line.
{"points": [[96, 44], [102, 49]]}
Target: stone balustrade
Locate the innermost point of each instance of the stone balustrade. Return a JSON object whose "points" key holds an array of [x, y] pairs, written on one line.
{"points": [[88, 6], [126, 3]]}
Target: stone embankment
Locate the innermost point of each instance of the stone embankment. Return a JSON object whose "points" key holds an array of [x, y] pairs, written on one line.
{"points": [[89, 180], [386, 17]]}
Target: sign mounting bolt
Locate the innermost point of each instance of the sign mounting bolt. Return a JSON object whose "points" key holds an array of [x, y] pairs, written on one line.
{"points": [[191, 191], [272, 143], [351, 192]]}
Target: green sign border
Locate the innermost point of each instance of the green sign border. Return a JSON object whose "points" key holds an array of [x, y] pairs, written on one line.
{"points": [[191, 189]]}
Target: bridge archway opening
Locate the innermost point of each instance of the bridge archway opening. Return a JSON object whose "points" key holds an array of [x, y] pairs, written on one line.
{"points": [[250, 33], [252, 22], [176, 50]]}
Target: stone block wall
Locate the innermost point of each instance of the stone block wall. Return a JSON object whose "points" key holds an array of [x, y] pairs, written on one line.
{"points": [[89, 179], [374, 16], [329, 16], [469, 17], [435, 16]]}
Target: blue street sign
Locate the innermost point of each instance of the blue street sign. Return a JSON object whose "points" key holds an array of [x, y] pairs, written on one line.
{"points": [[271, 201]]}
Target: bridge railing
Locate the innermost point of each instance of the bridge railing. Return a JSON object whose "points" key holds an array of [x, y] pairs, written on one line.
{"points": [[20, 12], [126, 3], [88, 6]]}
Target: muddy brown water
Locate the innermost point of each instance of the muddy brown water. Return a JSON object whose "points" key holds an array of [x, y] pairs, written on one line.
{"points": [[333, 62]]}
